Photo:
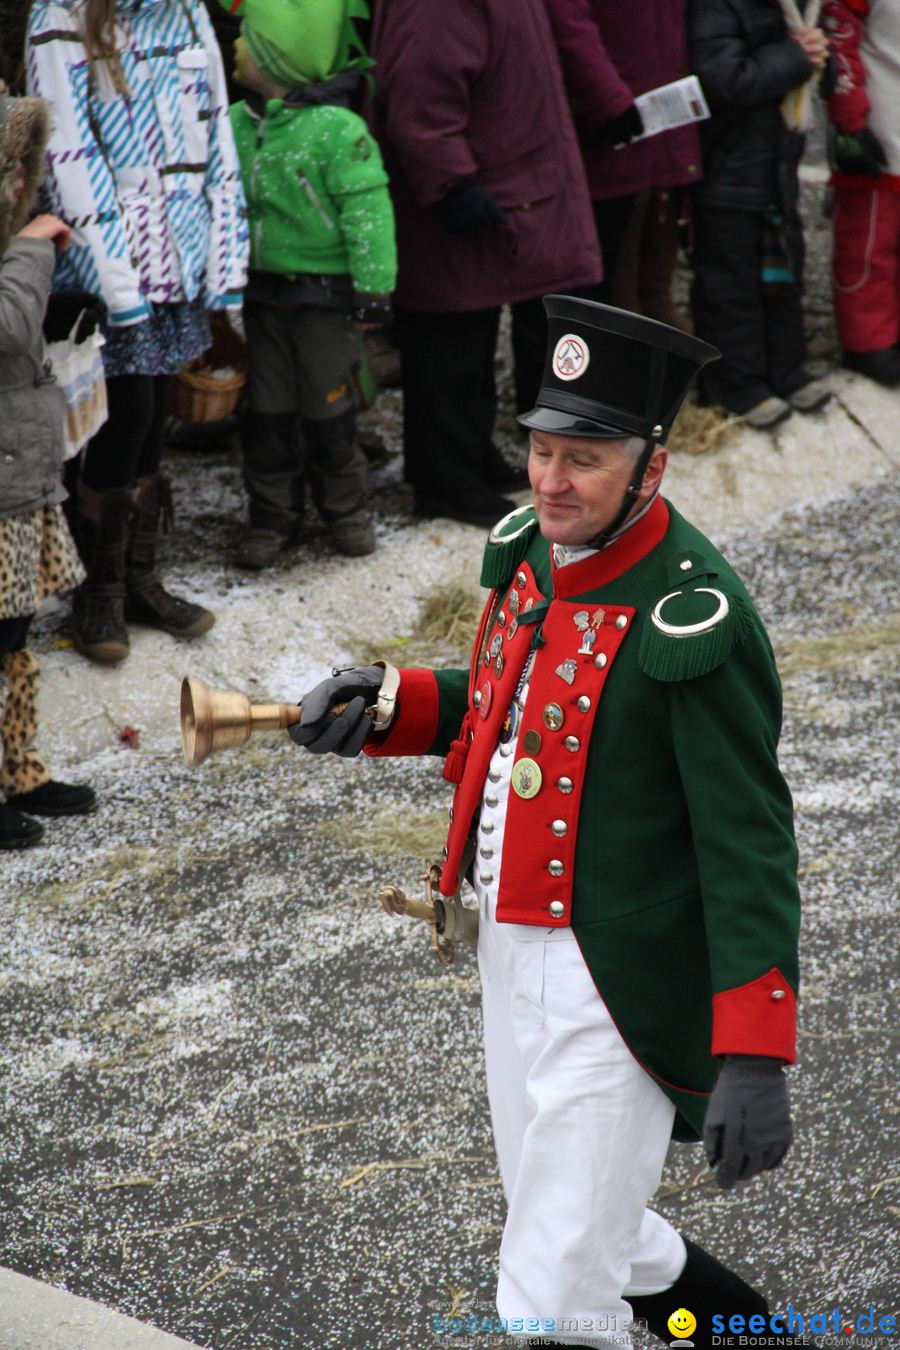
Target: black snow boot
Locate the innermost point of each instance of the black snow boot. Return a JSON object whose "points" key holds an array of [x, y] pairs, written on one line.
{"points": [[704, 1287]]}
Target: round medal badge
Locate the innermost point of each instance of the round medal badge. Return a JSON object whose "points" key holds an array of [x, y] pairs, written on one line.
{"points": [[571, 357], [526, 778]]}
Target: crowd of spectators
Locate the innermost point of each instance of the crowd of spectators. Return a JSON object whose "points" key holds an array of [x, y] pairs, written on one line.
{"points": [[404, 172]]}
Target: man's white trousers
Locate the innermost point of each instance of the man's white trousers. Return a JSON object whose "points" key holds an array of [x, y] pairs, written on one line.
{"points": [[581, 1132]]}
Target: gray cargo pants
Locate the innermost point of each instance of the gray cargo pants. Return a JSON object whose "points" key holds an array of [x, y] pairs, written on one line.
{"points": [[300, 417]]}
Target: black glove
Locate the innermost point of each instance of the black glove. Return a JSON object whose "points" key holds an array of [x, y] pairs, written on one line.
{"points": [[468, 207], [625, 127], [320, 730], [747, 1129], [859, 152], [63, 308]]}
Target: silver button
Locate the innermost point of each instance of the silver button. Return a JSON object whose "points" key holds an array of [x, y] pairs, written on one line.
{"points": [[565, 784], [557, 909], [485, 878], [686, 565], [494, 775], [778, 994], [501, 619], [476, 697], [521, 578], [583, 704], [600, 660], [450, 813], [445, 853], [555, 867], [487, 827], [572, 743], [506, 750], [7, 459], [490, 799], [486, 851], [621, 621], [559, 828]]}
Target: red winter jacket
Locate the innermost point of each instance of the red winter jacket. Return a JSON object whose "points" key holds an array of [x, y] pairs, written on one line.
{"points": [[865, 45]]}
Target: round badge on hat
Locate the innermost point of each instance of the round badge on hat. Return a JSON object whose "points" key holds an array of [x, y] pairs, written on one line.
{"points": [[571, 357]]}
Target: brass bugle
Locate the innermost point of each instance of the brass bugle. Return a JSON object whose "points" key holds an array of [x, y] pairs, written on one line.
{"points": [[215, 719]]}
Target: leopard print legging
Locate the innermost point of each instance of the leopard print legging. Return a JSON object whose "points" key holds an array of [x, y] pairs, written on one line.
{"points": [[21, 767]]}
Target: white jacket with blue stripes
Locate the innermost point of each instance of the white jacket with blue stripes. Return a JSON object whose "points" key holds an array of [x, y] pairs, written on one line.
{"points": [[149, 183]]}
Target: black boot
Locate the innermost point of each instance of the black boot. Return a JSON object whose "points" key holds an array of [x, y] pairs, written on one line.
{"points": [[16, 830], [55, 799], [704, 1287], [500, 473], [882, 364], [98, 619], [146, 599]]}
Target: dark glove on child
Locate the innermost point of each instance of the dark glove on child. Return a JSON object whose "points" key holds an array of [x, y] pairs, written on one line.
{"points": [[859, 152], [747, 1129], [625, 127], [468, 207], [64, 307], [320, 730]]}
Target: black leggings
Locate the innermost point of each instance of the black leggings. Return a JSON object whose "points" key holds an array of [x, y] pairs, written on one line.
{"points": [[129, 445], [13, 633]]}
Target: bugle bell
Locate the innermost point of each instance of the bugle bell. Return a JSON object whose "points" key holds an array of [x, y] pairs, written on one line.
{"points": [[216, 719]]}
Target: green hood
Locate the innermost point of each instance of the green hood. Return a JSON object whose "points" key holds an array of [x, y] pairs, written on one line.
{"points": [[297, 42]]}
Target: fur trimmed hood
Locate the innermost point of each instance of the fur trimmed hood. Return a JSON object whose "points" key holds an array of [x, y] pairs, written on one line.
{"points": [[24, 130]]}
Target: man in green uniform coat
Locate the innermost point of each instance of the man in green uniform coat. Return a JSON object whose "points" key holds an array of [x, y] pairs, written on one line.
{"points": [[621, 816]]}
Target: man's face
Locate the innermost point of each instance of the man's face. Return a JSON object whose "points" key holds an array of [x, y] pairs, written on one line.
{"points": [[578, 484]]}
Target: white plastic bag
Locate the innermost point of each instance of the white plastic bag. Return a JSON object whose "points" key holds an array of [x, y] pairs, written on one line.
{"points": [[78, 367]]}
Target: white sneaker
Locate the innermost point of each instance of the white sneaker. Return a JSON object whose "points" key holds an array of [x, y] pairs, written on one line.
{"points": [[768, 413], [811, 397]]}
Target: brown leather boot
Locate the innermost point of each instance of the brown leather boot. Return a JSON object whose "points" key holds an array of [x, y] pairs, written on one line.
{"points": [[658, 255], [624, 280], [98, 619], [146, 599]]}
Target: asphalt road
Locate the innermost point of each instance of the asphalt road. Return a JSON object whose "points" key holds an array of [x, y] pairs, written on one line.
{"points": [[244, 1105]]}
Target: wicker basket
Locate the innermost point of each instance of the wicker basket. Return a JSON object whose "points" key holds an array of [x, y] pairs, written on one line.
{"points": [[197, 394]]}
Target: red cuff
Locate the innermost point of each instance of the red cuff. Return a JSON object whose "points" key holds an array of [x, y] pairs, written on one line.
{"points": [[759, 1018], [416, 723]]}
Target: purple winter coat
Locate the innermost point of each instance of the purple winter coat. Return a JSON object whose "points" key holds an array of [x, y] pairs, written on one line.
{"points": [[610, 52], [465, 89]]}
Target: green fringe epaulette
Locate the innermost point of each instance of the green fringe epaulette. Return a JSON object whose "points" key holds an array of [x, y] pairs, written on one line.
{"points": [[506, 547], [691, 632]]}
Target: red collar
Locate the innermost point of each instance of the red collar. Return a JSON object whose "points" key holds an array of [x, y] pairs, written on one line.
{"points": [[608, 563]]}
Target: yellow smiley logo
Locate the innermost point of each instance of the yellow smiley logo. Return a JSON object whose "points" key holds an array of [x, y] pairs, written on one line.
{"points": [[682, 1324]]}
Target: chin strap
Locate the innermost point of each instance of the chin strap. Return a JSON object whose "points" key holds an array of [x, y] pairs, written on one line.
{"points": [[606, 536]]}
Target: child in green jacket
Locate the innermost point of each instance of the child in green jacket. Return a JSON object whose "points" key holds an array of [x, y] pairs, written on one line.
{"points": [[323, 263]]}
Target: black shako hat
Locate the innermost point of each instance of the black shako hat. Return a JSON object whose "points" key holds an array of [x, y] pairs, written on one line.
{"points": [[610, 373]]}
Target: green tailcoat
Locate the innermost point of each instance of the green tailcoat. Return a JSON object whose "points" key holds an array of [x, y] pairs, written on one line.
{"points": [[678, 856]]}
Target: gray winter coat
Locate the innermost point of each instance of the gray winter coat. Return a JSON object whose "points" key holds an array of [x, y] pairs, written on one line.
{"points": [[32, 409]]}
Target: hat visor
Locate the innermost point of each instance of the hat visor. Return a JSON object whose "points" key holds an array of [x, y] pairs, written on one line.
{"points": [[568, 424]]}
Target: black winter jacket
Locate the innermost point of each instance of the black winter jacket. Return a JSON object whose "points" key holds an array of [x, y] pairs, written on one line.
{"points": [[741, 53]]}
